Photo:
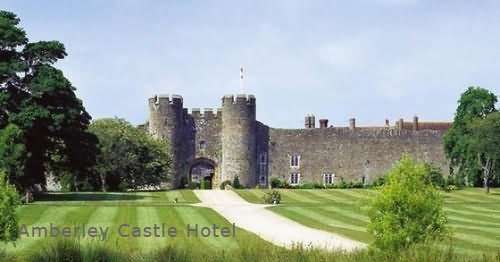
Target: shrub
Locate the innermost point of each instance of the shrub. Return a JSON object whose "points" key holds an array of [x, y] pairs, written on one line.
{"points": [[236, 183], [193, 185], [184, 182], [9, 200], [380, 181], [273, 197], [408, 210], [342, 183], [276, 182], [67, 183], [435, 176], [450, 188], [225, 183], [203, 184], [123, 186], [306, 186]]}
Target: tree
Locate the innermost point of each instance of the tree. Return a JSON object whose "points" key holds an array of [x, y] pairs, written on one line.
{"points": [[41, 102], [236, 183], [408, 210], [128, 156], [485, 144], [12, 151], [435, 175], [9, 200], [475, 103]]}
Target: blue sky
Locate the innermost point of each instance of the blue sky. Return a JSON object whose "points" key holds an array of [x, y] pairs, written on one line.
{"points": [[371, 60]]}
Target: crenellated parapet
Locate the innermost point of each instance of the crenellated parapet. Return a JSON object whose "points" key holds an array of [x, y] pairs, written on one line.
{"points": [[159, 102], [206, 113], [241, 99]]}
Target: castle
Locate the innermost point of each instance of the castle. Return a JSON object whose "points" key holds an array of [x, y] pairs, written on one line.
{"points": [[218, 145]]}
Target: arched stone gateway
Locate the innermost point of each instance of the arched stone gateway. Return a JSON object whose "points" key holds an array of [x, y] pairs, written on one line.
{"points": [[203, 169]]}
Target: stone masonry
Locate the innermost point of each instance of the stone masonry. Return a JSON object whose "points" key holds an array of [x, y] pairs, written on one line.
{"points": [[219, 144]]}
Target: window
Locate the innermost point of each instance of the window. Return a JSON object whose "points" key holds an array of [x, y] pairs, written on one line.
{"points": [[328, 178], [263, 158], [263, 168], [262, 181], [294, 178], [203, 145], [295, 160]]}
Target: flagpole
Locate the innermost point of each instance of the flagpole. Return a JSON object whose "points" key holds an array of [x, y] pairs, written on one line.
{"points": [[242, 76]]}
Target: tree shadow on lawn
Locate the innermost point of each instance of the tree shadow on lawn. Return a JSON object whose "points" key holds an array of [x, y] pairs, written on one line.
{"points": [[90, 196]]}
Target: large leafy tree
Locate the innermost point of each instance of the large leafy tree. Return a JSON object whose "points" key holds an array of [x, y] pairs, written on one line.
{"points": [[37, 98], [129, 158], [485, 144], [475, 103]]}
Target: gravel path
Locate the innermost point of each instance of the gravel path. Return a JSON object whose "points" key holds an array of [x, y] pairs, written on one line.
{"points": [[270, 226]]}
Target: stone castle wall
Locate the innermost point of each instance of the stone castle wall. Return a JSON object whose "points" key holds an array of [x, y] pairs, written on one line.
{"points": [[350, 154], [236, 144]]}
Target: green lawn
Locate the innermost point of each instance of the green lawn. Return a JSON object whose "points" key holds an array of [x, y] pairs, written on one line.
{"points": [[136, 209], [474, 217]]}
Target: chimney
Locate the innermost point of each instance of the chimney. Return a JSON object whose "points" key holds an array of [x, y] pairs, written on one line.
{"points": [[352, 123], [310, 121], [415, 123], [323, 123], [401, 123]]}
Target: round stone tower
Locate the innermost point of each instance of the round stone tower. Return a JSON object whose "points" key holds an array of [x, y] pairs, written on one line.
{"points": [[239, 139], [166, 119]]}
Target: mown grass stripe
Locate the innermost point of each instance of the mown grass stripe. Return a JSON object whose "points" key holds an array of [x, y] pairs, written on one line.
{"points": [[360, 194], [54, 215], [348, 212], [480, 232], [341, 229], [171, 217], [483, 197], [339, 194], [125, 215], [466, 212], [103, 217], [148, 217], [494, 210], [194, 216], [189, 196], [478, 239], [293, 196], [173, 194], [473, 217], [318, 196], [258, 195]]}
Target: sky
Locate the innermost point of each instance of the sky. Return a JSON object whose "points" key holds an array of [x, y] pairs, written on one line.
{"points": [[369, 60]]}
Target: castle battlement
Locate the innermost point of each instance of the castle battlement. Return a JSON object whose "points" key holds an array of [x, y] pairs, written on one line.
{"points": [[164, 99], [360, 132], [241, 99], [206, 113], [220, 144]]}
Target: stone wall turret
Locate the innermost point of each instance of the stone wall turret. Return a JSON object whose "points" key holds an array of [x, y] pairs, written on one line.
{"points": [[166, 121], [239, 139]]}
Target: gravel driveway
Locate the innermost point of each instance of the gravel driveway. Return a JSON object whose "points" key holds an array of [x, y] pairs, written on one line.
{"points": [[270, 226]]}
